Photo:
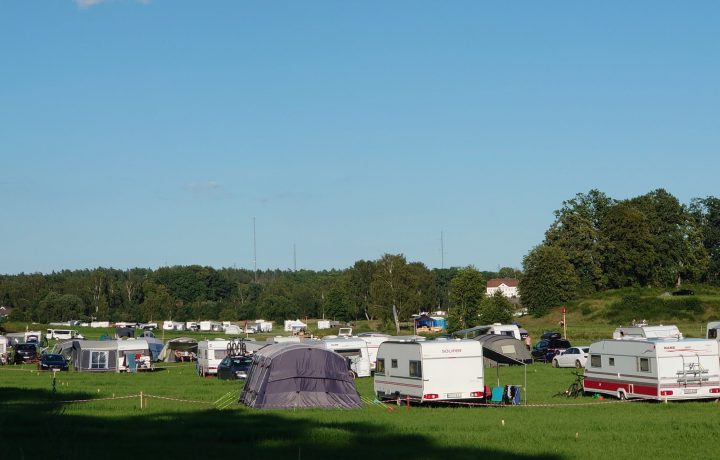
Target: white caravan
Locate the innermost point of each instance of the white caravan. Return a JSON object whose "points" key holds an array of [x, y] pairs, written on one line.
{"points": [[353, 348], [209, 355], [654, 369], [3, 350], [498, 329], [373, 341], [432, 370], [63, 334], [713, 328], [647, 332]]}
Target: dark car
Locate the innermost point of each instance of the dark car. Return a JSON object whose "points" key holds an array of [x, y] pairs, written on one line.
{"points": [[234, 367], [25, 353], [49, 362], [546, 349]]}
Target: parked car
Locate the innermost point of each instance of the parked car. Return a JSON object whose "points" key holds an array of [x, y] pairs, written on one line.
{"points": [[234, 367], [50, 361], [546, 349], [25, 353], [572, 357]]}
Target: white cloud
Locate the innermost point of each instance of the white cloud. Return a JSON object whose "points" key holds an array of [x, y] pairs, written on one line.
{"points": [[88, 3], [203, 186], [84, 4]]}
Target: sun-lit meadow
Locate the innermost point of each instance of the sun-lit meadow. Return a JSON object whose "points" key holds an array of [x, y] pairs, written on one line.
{"points": [[38, 423]]}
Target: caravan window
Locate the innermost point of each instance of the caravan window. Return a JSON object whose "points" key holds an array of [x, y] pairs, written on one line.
{"points": [[712, 334], [415, 369], [348, 353], [380, 366], [393, 363], [644, 364], [98, 360], [612, 361], [595, 361], [220, 354]]}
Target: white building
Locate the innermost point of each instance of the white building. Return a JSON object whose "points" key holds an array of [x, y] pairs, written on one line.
{"points": [[508, 287]]}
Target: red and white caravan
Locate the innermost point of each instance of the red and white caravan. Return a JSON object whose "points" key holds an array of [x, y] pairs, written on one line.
{"points": [[435, 370], [660, 369]]}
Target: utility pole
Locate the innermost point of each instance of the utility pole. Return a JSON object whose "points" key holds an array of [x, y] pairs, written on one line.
{"points": [[294, 258]]}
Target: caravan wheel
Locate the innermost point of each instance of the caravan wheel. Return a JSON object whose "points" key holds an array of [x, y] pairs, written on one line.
{"points": [[621, 395]]}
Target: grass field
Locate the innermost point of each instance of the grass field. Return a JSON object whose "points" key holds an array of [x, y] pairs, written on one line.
{"points": [[35, 424]]}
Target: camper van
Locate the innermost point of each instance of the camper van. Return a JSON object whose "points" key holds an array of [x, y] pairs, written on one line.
{"points": [[647, 332], [209, 355], [353, 348], [432, 370], [63, 334], [657, 369]]}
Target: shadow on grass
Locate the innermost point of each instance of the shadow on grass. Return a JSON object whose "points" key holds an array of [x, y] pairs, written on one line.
{"points": [[33, 426]]}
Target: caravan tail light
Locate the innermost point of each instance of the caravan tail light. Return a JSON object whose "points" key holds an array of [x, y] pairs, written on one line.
{"points": [[714, 390], [666, 393], [477, 394], [430, 396]]}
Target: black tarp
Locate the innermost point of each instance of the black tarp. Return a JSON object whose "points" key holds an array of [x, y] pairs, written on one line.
{"points": [[503, 349], [297, 375]]}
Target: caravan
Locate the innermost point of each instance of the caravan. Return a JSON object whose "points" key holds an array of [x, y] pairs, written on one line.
{"points": [[209, 355], [432, 370], [373, 341], [654, 369], [63, 334], [511, 330], [647, 332], [353, 348]]}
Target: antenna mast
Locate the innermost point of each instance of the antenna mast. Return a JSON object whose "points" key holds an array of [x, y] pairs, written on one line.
{"points": [[254, 252], [442, 250]]}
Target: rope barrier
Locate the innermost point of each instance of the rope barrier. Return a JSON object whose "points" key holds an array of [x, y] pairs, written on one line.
{"points": [[177, 399], [97, 399], [404, 401]]}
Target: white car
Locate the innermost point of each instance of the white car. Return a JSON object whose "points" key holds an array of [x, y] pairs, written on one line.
{"points": [[572, 357]]}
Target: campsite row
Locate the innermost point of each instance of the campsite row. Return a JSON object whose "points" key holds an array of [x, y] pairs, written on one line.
{"points": [[651, 362]]}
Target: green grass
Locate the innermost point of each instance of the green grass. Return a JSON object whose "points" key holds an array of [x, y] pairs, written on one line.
{"points": [[35, 425]]}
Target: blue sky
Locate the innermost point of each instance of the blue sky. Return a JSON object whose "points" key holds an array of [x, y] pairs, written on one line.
{"points": [[150, 133]]}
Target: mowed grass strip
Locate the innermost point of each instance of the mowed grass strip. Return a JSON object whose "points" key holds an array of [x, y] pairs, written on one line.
{"points": [[33, 425]]}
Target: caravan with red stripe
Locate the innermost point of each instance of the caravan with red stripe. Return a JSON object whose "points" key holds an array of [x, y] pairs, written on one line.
{"points": [[654, 368]]}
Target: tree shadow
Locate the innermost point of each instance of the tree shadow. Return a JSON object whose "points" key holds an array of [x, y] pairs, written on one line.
{"points": [[32, 425]]}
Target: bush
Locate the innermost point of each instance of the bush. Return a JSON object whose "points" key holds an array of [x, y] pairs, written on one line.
{"points": [[632, 306]]}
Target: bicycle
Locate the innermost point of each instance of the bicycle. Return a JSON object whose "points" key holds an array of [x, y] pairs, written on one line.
{"points": [[575, 389]]}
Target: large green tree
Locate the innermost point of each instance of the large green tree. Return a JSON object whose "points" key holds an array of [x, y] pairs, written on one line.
{"points": [[496, 309], [467, 290], [628, 248], [548, 281], [706, 212], [675, 238]]}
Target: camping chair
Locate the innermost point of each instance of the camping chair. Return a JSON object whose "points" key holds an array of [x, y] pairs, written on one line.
{"points": [[497, 395]]}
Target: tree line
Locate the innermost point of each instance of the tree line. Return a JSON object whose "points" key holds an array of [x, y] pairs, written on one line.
{"points": [[595, 243], [598, 243], [389, 289]]}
